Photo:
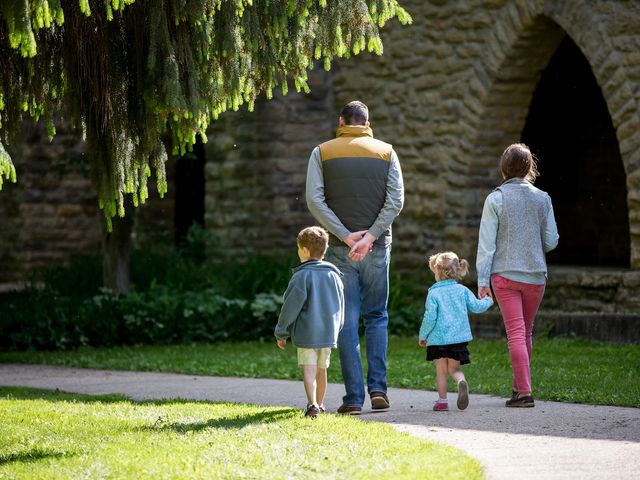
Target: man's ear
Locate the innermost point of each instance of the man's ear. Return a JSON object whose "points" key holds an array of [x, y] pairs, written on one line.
{"points": [[341, 121], [366, 124]]}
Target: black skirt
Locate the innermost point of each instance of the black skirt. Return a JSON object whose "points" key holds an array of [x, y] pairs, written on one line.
{"points": [[455, 351]]}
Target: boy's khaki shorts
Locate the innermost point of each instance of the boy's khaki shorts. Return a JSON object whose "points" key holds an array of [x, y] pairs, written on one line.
{"points": [[314, 356]]}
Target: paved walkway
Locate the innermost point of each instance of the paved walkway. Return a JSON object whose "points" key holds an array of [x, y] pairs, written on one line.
{"points": [[551, 441]]}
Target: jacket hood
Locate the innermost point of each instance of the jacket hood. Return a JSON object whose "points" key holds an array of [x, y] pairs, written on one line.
{"points": [[316, 265]]}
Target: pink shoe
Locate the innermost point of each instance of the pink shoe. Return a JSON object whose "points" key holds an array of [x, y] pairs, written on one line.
{"points": [[439, 406]]}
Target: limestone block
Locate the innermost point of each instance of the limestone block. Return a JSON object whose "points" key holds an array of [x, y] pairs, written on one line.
{"points": [[69, 210], [622, 105], [631, 280], [629, 302], [426, 188], [456, 233], [621, 23], [633, 182], [432, 208], [494, 4], [632, 58], [628, 128], [634, 214], [456, 35]]}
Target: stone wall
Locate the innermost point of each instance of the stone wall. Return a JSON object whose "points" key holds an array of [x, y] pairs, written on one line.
{"points": [[256, 168], [450, 92], [601, 326], [50, 215], [453, 89]]}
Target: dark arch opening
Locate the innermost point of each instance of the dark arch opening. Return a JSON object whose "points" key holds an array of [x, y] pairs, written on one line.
{"points": [[570, 131], [189, 208]]}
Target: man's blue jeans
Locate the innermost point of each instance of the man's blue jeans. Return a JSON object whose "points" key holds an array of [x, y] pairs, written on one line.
{"points": [[366, 291]]}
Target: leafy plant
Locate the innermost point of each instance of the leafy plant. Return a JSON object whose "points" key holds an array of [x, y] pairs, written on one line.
{"points": [[179, 295], [160, 72]]}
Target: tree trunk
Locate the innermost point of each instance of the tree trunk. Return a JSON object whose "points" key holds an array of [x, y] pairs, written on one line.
{"points": [[116, 249]]}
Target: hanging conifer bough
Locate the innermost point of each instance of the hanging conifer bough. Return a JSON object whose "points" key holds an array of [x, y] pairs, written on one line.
{"points": [[136, 75]]}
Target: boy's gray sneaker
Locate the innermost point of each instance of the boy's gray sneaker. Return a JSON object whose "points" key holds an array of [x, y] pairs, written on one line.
{"points": [[312, 411], [379, 400]]}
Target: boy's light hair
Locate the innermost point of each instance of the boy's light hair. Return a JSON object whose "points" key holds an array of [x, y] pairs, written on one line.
{"points": [[448, 265], [316, 239]]}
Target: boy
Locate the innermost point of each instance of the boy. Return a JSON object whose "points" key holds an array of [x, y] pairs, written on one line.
{"points": [[312, 314]]}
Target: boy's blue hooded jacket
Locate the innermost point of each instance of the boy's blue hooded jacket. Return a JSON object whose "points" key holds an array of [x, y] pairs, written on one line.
{"points": [[313, 310]]}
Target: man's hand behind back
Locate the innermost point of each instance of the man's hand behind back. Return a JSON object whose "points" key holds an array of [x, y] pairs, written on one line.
{"points": [[362, 247], [354, 237]]}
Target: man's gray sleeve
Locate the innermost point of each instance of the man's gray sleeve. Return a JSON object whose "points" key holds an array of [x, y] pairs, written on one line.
{"points": [[394, 199], [316, 202]]}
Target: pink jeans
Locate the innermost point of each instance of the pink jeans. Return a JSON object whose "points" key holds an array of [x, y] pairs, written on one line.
{"points": [[519, 304]]}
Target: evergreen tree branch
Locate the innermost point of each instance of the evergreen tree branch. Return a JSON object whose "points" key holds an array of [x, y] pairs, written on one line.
{"points": [[132, 73]]}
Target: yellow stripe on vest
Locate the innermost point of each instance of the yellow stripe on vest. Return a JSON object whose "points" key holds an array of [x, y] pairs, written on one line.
{"points": [[350, 147]]}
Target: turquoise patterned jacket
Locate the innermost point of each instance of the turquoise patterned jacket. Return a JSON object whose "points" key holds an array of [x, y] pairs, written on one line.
{"points": [[446, 319]]}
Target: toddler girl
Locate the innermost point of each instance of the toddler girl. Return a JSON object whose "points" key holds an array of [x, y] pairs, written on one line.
{"points": [[445, 327]]}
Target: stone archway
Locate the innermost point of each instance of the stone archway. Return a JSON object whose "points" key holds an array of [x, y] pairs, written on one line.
{"points": [[518, 48], [570, 131], [189, 191]]}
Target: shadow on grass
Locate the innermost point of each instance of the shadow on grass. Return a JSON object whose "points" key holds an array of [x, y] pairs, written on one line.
{"points": [[29, 456], [224, 422], [27, 393], [161, 424]]}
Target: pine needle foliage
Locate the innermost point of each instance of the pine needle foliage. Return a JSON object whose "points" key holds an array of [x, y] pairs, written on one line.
{"points": [[141, 76]]}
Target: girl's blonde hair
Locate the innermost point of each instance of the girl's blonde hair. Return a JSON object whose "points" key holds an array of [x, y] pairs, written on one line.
{"points": [[447, 265], [517, 161]]}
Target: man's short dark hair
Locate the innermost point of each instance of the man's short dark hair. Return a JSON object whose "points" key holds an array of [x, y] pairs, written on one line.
{"points": [[355, 113]]}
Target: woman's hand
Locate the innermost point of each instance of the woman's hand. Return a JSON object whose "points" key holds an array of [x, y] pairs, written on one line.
{"points": [[485, 292], [422, 343]]}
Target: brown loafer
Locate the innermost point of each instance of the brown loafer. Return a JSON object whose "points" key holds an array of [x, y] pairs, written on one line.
{"points": [[379, 400], [526, 401], [347, 410]]}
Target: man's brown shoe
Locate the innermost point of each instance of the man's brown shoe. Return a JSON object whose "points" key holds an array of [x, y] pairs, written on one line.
{"points": [[347, 410], [379, 400], [526, 401]]}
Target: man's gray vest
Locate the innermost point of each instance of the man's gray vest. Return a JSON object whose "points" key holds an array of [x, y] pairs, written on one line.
{"points": [[522, 222], [355, 168]]}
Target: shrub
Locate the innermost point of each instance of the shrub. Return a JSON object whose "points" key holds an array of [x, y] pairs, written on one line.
{"points": [[177, 296], [41, 319]]}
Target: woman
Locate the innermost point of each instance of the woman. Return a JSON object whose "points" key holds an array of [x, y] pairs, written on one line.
{"points": [[516, 231]]}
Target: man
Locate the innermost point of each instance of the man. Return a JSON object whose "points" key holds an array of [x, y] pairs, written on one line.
{"points": [[355, 190]]}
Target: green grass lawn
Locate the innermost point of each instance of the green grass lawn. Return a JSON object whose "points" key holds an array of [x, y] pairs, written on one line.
{"points": [[563, 369], [57, 435]]}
